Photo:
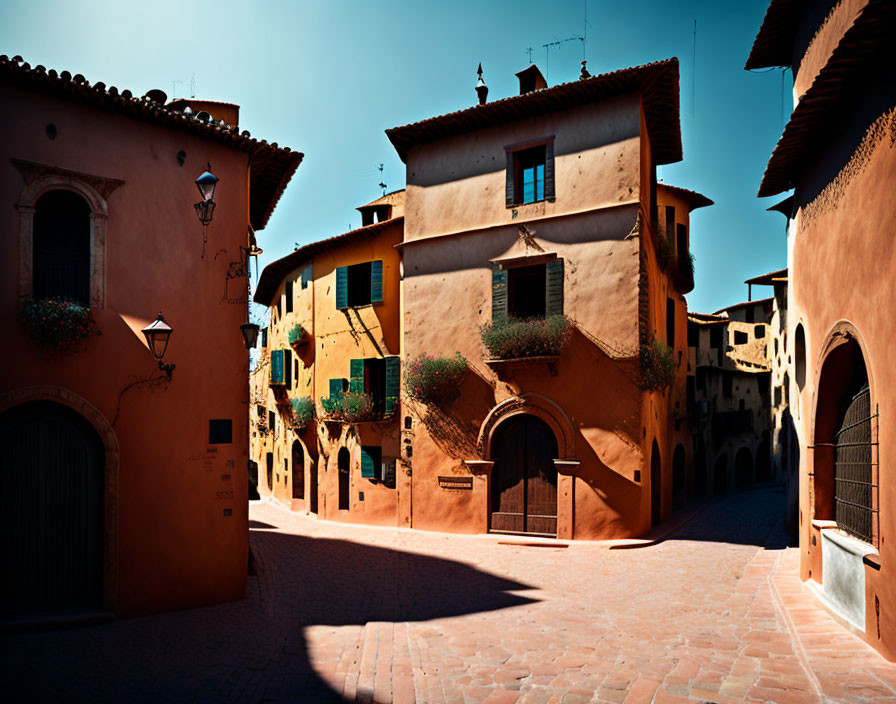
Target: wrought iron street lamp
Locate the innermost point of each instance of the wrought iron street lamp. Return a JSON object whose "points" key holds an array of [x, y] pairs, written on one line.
{"points": [[250, 334], [205, 208], [157, 335]]}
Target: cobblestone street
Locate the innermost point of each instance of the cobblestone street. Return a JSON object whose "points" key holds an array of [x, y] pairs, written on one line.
{"points": [[714, 613]]}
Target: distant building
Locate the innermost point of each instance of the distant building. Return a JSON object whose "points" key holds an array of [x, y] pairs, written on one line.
{"points": [[124, 488], [730, 382], [837, 155], [333, 339]]}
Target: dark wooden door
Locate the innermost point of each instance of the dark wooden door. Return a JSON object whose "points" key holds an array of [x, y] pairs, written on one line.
{"points": [[52, 469], [524, 478], [312, 485], [298, 470], [344, 462]]}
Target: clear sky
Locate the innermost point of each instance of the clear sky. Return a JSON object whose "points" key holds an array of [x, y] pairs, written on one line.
{"points": [[328, 77]]}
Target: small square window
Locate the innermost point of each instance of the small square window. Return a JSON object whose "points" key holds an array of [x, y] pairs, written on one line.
{"points": [[359, 284], [530, 174], [220, 432], [740, 337]]}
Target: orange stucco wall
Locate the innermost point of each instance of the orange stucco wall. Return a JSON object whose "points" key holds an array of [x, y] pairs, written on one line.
{"points": [[338, 336], [175, 545], [842, 268]]}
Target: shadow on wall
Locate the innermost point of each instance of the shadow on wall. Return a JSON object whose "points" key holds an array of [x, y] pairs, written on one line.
{"points": [[221, 653]]}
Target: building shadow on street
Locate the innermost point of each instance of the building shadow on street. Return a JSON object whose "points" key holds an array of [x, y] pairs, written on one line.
{"points": [[253, 650]]}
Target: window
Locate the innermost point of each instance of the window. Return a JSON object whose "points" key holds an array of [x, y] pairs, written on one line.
{"points": [[289, 296], [760, 331], [287, 368], [530, 174], [62, 247], [220, 432], [307, 276], [378, 377], [264, 337], [715, 336], [371, 462], [670, 223], [670, 322], [693, 335], [279, 367], [750, 314], [528, 291], [741, 337], [272, 421], [359, 284]]}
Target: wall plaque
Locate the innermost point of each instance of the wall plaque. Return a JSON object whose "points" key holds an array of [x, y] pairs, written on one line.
{"points": [[456, 483]]}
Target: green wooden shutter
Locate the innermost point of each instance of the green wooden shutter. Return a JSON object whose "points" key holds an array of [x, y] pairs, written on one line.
{"points": [[499, 295], [376, 281], [549, 192], [356, 376], [554, 287], [277, 367], [335, 389], [508, 189], [368, 467], [393, 384], [342, 287]]}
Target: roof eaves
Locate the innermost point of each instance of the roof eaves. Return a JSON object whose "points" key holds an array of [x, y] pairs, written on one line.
{"points": [[773, 44]]}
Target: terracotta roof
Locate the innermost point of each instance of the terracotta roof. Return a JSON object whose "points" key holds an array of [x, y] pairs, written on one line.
{"points": [[273, 273], [769, 279], [694, 199], [657, 82], [761, 301], [773, 45], [271, 167], [810, 122], [707, 318]]}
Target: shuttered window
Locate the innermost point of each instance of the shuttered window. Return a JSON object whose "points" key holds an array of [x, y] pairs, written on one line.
{"points": [[359, 284], [356, 376], [554, 287], [499, 295], [289, 294], [336, 387], [393, 385], [277, 369], [528, 292], [371, 462], [530, 174], [287, 368]]}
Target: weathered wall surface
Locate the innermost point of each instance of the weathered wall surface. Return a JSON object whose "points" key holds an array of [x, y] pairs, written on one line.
{"points": [[176, 547]]}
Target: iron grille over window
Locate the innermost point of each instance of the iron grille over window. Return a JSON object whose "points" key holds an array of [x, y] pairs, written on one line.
{"points": [[853, 463]]}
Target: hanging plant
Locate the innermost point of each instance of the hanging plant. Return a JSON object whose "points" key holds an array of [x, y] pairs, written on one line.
{"points": [[350, 407], [58, 326], [303, 410], [430, 379], [297, 336], [657, 366]]}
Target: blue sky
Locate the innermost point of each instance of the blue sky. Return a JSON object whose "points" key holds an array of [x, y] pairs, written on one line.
{"points": [[328, 77]]}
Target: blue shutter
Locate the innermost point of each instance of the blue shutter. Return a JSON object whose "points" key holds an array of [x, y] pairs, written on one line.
{"points": [[554, 287], [549, 192], [499, 295], [368, 463], [376, 281], [393, 384], [277, 377], [356, 376], [342, 287], [508, 188]]}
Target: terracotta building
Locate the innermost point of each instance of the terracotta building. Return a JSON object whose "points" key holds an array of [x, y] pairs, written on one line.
{"points": [[837, 155], [523, 213], [729, 393], [124, 477], [333, 341]]}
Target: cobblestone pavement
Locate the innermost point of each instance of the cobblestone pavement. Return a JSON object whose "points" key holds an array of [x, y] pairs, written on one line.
{"points": [[714, 613]]}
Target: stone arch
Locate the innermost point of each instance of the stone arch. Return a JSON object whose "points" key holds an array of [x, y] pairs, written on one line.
{"points": [[106, 433], [843, 365], [40, 179], [534, 404]]}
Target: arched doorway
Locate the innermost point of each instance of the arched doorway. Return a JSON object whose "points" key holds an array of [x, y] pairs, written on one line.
{"points": [[524, 478], [269, 459], [53, 476], [844, 441], [656, 485], [678, 478], [720, 475], [743, 467], [344, 462], [298, 470]]}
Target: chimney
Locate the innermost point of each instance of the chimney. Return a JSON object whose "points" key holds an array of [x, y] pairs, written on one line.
{"points": [[481, 88], [531, 79]]}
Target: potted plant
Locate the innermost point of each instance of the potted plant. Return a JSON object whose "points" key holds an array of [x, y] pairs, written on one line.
{"points": [[59, 326], [298, 336], [515, 338], [431, 379], [302, 410]]}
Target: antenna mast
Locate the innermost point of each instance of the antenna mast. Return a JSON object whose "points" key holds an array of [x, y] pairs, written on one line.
{"points": [[381, 184]]}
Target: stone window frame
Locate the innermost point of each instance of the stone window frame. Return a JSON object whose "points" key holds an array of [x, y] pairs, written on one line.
{"points": [[42, 178]]}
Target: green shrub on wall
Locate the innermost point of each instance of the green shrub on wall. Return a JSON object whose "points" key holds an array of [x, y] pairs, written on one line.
{"points": [[303, 410], [296, 335], [531, 337], [59, 326], [657, 366], [430, 379]]}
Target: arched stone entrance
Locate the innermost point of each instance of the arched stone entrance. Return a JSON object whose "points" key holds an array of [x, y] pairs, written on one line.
{"points": [[52, 475], [524, 478]]}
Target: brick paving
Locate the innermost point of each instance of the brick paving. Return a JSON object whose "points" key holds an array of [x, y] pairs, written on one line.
{"points": [[714, 613]]}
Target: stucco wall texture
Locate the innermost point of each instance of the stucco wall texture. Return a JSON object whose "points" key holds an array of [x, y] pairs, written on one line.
{"points": [[176, 547]]}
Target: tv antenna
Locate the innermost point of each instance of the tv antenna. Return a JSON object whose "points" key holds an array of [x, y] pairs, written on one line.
{"points": [[529, 52], [381, 184], [547, 48]]}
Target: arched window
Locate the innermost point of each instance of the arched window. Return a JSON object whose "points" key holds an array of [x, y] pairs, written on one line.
{"points": [[799, 356], [62, 247], [298, 470]]}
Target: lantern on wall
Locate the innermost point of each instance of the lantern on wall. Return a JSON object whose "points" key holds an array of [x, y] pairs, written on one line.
{"points": [[250, 334], [157, 334], [206, 184]]}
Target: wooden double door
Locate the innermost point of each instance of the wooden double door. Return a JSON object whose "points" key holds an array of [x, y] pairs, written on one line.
{"points": [[52, 474], [524, 478]]}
